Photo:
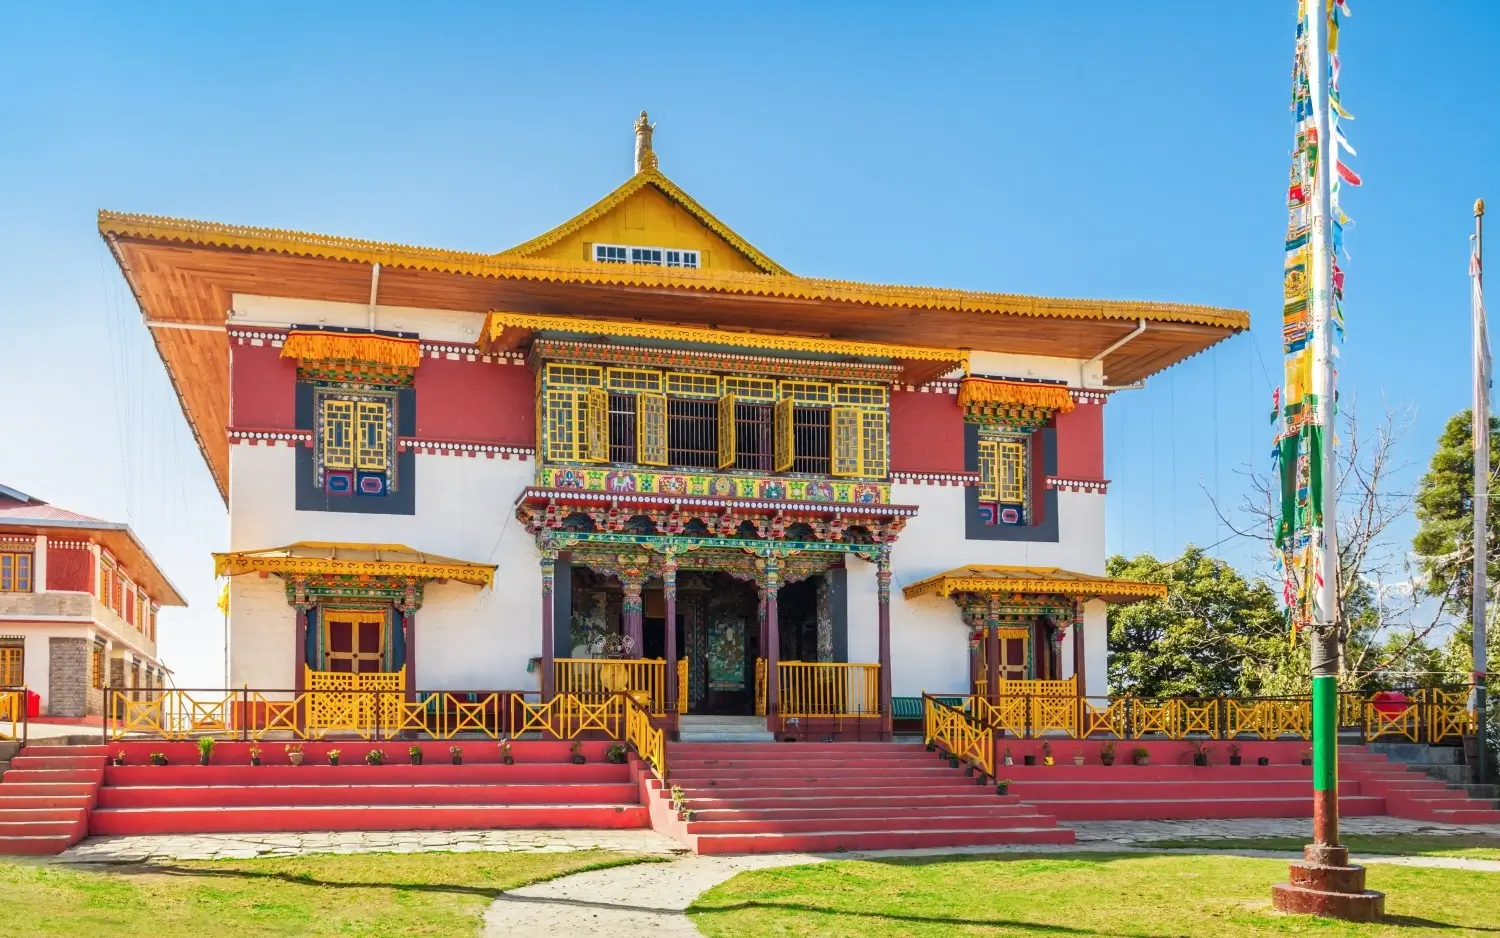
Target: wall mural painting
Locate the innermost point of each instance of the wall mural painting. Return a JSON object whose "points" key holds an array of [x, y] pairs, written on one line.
{"points": [[726, 622]]}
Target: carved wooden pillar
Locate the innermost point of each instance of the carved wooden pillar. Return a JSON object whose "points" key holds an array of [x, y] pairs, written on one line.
{"points": [[408, 607], [1059, 632], [301, 604], [669, 599], [771, 585], [883, 585], [1078, 662], [632, 612], [549, 559], [992, 647]]}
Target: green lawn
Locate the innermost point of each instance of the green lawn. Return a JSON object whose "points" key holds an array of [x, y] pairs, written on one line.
{"points": [[1472, 846], [364, 895], [1154, 896]]}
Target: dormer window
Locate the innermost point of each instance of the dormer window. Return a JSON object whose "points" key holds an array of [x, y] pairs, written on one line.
{"points": [[651, 256]]}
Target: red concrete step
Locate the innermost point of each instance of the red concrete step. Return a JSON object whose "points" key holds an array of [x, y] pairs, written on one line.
{"points": [[363, 817], [889, 813], [799, 757], [35, 846], [1466, 816], [143, 796], [42, 828], [891, 789], [1155, 773], [833, 800], [871, 840], [1155, 791], [52, 776], [55, 751], [12, 802], [17, 815], [47, 789], [28, 761], [754, 825], [361, 774], [1192, 809]]}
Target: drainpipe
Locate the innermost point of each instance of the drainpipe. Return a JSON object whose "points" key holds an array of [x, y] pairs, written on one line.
{"points": [[374, 292], [1128, 338]]}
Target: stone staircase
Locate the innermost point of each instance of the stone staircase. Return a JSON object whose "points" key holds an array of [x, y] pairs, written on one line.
{"points": [[46, 795], [1421, 782], [777, 797], [723, 729]]}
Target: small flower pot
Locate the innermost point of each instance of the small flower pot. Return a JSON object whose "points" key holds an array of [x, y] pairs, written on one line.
{"points": [[1235, 760], [158, 760], [333, 760], [509, 760], [416, 758], [579, 760], [1078, 760], [1200, 760], [1048, 760], [1263, 760], [1029, 760], [295, 758], [1307, 762], [1142, 760], [952, 763], [1008, 761], [117, 761], [203, 760], [1002, 789], [1106, 760], [458, 760], [969, 771], [255, 760]]}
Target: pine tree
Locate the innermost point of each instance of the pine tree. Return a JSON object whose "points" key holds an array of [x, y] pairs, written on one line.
{"points": [[1444, 543]]}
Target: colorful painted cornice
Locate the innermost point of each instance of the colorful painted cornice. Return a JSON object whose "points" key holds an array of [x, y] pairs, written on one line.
{"points": [[315, 558], [1054, 581]]}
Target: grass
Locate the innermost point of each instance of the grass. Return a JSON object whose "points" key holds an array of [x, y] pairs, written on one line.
{"points": [[363, 895], [1151, 896], [1470, 846]]}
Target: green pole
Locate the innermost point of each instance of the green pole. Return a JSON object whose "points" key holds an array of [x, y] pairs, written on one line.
{"points": [[1325, 739]]}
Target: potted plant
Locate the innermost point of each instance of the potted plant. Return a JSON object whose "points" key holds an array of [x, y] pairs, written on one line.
{"points": [[615, 754], [415, 753], [158, 758], [456, 753], [1200, 753], [1008, 760], [1107, 754], [952, 761], [1047, 753], [119, 758], [333, 757], [679, 798], [1234, 754], [1141, 755], [254, 754], [576, 749], [1002, 786], [375, 757], [1307, 757], [1078, 757], [205, 749], [1028, 759], [505, 754], [294, 753], [1263, 760]]}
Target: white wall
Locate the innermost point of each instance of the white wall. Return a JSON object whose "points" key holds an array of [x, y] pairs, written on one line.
{"points": [[466, 637], [439, 325], [1004, 365]]}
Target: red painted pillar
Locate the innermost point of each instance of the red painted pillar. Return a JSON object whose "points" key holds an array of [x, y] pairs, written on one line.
{"points": [[632, 608], [1078, 663], [773, 644], [992, 648], [883, 585], [409, 622], [549, 559], [669, 598]]}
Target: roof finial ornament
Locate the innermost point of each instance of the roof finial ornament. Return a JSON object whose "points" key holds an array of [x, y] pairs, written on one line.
{"points": [[645, 157]]}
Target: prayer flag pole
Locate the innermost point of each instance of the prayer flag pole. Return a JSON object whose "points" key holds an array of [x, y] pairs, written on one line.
{"points": [[1481, 421]]}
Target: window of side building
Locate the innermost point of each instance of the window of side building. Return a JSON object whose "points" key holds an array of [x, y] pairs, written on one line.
{"points": [[15, 572]]}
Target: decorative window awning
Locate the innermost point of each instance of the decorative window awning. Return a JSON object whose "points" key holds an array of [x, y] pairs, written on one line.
{"points": [[325, 346], [991, 400], [508, 331], [1052, 581], [312, 558]]}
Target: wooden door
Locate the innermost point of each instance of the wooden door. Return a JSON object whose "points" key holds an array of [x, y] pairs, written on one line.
{"points": [[354, 640]]}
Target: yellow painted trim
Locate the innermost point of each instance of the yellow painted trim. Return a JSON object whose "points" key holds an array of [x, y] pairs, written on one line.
{"points": [[1032, 580], [648, 177], [497, 322], [280, 562], [512, 267]]}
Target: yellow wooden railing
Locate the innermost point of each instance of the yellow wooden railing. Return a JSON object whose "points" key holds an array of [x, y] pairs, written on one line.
{"points": [[682, 685], [600, 677], [955, 732], [760, 687], [650, 742], [335, 711], [12, 712], [828, 689]]}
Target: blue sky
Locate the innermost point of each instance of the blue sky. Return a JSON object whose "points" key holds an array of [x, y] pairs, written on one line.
{"points": [[1093, 149]]}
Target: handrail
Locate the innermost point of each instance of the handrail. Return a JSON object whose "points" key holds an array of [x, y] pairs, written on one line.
{"points": [[953, 730], [650, 742], [828, 689], [598, 678], [13, 712]]}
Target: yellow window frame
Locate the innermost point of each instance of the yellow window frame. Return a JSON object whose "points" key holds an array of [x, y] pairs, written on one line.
{"points": [[96, 667], [1010, 474], [629, 380], [861, 395], [689, 384], [751, 390], [727, 440], [989, 470], [12, 665], [873, 444], [562, 413], [15, 572], [845, 444], [596, 425], [784, 443], [807, 392], [563, 375], [651, 429], [338, 434], [371, 439]]}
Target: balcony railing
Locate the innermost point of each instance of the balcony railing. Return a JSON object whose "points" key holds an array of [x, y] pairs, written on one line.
{"points": [[598, 678], [13, 717], [821, 689]]}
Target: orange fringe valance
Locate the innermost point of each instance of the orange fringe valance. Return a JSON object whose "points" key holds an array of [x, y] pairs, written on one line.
{"points": [[988, 391], [339, 346]]}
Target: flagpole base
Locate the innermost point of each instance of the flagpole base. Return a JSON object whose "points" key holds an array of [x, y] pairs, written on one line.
{"points": [[1325, 884]]}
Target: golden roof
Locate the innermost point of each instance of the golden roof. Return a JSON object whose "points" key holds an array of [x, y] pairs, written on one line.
{"points": [[989, 578], [315, 558]]}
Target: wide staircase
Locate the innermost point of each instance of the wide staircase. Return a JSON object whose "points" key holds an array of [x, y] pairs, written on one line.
{"points": [[543, 789], [1424, 783], [45, 797], [777, 797]]}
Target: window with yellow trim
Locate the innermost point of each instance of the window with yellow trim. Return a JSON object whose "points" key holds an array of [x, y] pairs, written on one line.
{"points": [[12, 665], [746, 390], [96, 667], [338, 434], [1003, 465], [860, 395], [15, 572], [370, 438], [559, 375], [807, 392], [634, 379], [683, 384], [651, 429], [1011, 479]]}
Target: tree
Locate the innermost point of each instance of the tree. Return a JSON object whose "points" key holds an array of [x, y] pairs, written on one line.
{"points": [[1445, 514], [1204, 638]]}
